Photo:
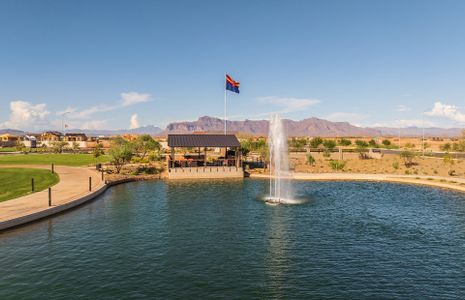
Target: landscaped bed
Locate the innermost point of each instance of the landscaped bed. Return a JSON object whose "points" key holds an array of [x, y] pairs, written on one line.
{"points": [[16, 182], [57, 159]]}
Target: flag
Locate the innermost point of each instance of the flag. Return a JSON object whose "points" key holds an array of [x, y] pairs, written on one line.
{"points": [[232, 85]]}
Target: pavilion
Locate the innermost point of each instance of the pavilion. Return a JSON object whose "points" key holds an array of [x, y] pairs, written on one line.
{"points": [[204, 156]]}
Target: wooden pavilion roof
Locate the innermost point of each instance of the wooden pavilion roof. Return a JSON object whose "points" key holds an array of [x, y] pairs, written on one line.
{"points": [[203, 140]]}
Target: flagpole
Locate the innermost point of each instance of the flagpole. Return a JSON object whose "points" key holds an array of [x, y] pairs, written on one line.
{"points": [[225, 110]]}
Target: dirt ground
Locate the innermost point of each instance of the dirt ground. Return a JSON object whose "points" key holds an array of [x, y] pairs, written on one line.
{"points": [[385, 165]]}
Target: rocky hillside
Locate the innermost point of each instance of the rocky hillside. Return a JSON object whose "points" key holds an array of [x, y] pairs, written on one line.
{"points": [[307, 127]]}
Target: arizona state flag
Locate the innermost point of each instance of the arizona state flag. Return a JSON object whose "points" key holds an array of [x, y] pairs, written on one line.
{"points": [[231, 84]]}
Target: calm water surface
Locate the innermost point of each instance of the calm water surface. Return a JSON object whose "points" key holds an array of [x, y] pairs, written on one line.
{"points": [[216, 239]]}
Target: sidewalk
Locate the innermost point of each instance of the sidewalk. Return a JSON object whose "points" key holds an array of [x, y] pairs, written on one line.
{"points": [[73, 185]]}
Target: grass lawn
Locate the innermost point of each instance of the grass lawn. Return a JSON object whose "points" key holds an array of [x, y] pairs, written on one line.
{"points": [[16, 182], [7, 149], [57, 159]]}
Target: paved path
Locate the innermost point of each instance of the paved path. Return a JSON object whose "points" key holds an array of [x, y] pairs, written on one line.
{"points": [[73, 185], [437, 181]]}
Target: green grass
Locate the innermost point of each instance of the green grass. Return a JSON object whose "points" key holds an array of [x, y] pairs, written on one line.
{"points": [[7, 149], [16, 182], [57, 159]]}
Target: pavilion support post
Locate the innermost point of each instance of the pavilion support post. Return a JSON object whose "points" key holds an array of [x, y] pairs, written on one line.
{"points": [[205, 156], [171, 164]]}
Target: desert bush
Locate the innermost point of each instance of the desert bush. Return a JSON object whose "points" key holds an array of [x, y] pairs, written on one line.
{"points": [[327, 153], [315, 142], [386, 143], [361, 149], [310, 160], [337, 164], [344, 142], [407, 157], [329, 144], [395, 165], [298, 144]]}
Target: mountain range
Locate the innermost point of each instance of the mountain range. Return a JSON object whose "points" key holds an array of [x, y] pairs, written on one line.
{"points": [[307, 127]]}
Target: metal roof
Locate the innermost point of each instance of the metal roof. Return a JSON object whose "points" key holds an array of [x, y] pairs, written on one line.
{"points": [[203, 140]]}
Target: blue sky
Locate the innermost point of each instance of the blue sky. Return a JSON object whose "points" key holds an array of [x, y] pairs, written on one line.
{"points": [[153, 62]]}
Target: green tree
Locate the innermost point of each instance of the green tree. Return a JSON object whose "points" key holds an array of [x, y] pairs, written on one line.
{"points": [[361, 144], [245, 147], [361, 149], [448, 162], [121, 153], [386, 143], [372, 143], [75, 146], [329, 144], [97, 151], [145, 144], [407, 157], [59, 146], [315, 142], [297, 143], [345, 142]]}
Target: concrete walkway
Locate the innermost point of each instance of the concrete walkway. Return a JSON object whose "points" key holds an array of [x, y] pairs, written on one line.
{"points": [[436, 181], [73, 186]]}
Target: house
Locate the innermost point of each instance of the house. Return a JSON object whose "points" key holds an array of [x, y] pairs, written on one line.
{"points": [[76, 138], [8, 140], [48, 138], [29, 141], [199, 163]]}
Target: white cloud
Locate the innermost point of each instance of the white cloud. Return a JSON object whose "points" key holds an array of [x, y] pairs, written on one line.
{"points": [[25, 115], [288, 104], [127, 99], [131, 98], [97, 124], [402, 108], [450, 112], [134, 122]]}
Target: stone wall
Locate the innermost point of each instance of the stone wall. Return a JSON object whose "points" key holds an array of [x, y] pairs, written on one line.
{"points": [[205, 172]]}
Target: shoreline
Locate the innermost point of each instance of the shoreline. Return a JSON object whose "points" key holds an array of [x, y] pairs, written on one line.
{"points": [[458, 184]]}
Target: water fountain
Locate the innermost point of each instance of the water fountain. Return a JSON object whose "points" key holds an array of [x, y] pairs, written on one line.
{"points": [[280, 185]]}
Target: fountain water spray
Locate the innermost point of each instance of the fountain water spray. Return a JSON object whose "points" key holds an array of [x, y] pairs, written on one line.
{"points": [[280, 185]]}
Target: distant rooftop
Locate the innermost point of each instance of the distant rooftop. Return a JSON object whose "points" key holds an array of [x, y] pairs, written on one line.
{"points": [[203, 140]]}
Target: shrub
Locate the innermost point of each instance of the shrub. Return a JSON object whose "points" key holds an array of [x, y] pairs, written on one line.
{"points": [[446, 147], [326, 153], [310, 160], [329, 144], [298, 144], [345, 142], [386, 143], [395, 165], [315, 142], [407, 156], [337, 164]]}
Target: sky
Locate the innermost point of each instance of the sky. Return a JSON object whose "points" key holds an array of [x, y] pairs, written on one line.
{"points": [[125, 64]]}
